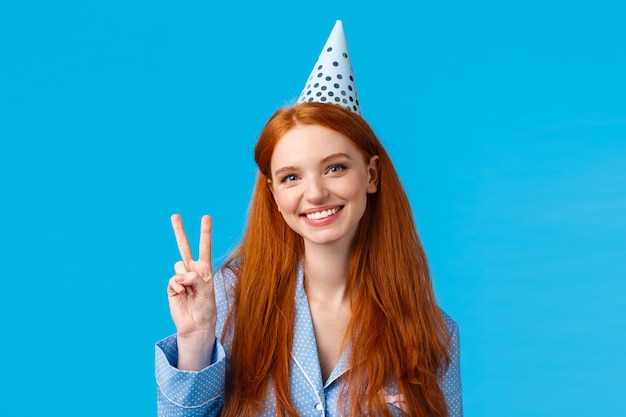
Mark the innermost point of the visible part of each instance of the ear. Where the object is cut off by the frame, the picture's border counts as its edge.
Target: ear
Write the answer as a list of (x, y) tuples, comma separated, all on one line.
[(373, 173), (270, 185)]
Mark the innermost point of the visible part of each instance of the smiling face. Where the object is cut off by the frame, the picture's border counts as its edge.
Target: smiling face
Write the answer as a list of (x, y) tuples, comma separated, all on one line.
[(320, 183)]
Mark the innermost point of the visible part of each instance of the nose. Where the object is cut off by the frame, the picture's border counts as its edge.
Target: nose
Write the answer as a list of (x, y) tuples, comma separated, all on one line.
[(315, 191)]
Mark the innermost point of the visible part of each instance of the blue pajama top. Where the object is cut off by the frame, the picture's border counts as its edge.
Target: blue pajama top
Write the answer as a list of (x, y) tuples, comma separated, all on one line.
[(201, 393)]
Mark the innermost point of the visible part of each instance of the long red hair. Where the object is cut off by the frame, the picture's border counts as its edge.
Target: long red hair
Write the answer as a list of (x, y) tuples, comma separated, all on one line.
[(396, 332)]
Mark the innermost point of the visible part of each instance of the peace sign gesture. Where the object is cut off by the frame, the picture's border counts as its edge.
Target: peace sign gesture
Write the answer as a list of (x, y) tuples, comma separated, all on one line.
[(192, 298)]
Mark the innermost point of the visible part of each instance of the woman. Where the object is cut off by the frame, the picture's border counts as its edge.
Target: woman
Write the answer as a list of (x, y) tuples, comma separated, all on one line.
[(326, 307)]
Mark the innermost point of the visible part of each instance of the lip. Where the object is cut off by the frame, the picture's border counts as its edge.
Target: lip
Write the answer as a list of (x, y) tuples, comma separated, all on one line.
[(321, 208), (325, 221)]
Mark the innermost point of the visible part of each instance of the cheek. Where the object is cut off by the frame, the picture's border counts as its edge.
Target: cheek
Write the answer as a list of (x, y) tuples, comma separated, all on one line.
[(281, 198), (358, 188), (287, 208)]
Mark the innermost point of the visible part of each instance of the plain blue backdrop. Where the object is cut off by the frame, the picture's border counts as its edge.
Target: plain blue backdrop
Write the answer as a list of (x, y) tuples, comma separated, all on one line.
[(506, 121)]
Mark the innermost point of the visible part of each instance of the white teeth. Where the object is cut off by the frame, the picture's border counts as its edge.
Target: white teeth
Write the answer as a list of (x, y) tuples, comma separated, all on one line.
[(322, 214)]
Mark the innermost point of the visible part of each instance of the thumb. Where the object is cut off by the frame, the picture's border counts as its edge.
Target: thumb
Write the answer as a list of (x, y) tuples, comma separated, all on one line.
[(203, 270), (203, 285)]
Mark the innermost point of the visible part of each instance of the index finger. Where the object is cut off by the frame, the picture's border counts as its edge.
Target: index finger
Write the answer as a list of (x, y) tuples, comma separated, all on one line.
[(181, 240), (205, 239)]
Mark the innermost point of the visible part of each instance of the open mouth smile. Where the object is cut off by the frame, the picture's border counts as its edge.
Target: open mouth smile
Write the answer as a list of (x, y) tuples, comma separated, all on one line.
[(318, 215)]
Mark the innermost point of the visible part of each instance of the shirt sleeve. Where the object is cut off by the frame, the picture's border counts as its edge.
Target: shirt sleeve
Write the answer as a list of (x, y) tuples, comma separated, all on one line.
[(451, 382), (188, 393), (195, 393)]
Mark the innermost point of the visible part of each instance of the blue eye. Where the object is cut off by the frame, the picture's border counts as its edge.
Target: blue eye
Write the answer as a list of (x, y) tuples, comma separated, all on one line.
[(336, 168), (289, 178)]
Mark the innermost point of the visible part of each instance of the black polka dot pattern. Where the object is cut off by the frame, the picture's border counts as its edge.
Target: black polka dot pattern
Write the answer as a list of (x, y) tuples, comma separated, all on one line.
[(332, 79)]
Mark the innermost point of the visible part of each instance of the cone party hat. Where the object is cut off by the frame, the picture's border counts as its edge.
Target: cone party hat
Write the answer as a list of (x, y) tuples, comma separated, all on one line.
[(332, 79)]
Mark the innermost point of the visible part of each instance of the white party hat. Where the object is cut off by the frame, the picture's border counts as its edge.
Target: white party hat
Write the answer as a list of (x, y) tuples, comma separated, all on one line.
[(332, 79)]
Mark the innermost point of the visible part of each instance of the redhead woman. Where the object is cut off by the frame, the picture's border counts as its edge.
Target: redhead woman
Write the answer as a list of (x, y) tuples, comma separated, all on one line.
[(326, 307)]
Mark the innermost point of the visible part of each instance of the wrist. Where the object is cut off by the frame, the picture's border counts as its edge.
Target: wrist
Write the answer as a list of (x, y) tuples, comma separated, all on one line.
[(197, 336), (195, 350)]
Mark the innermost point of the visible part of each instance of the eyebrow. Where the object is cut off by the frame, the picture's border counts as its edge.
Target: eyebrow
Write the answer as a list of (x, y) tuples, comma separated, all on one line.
[(324, 160)]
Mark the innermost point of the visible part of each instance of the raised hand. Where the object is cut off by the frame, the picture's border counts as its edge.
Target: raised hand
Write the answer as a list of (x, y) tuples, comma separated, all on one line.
[(192, 298)]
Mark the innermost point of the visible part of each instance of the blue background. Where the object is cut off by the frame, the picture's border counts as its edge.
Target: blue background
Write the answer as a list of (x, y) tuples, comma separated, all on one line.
[(506, 120)]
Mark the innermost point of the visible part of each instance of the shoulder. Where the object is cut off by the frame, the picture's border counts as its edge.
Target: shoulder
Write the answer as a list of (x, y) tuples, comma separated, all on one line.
[(450, 323), (453, 330), (225, 277), (225, 280), (451, 381)]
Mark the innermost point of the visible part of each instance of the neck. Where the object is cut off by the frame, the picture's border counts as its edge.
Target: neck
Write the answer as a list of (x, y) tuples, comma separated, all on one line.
[(326, 273)]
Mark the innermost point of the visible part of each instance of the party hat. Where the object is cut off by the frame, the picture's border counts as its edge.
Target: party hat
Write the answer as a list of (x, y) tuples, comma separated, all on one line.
[(332, 80)]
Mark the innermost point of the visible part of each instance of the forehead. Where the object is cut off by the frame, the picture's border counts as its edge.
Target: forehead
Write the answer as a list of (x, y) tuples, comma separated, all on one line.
[(310, 143)]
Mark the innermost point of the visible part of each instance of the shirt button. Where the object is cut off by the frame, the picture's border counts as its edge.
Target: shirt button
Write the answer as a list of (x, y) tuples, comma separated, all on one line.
[(319, 407)]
